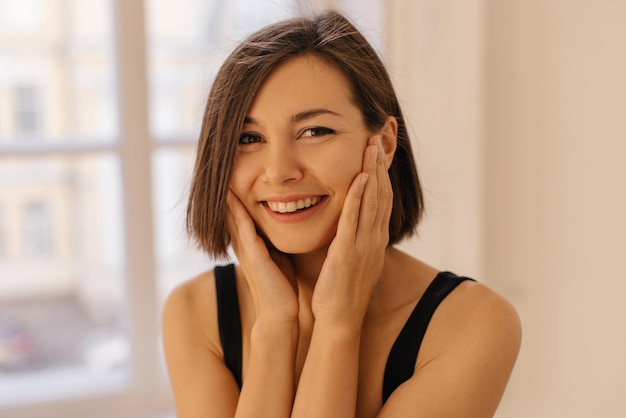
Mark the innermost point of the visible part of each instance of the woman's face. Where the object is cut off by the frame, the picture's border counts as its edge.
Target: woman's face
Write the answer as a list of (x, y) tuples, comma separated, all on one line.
[(299, 150)]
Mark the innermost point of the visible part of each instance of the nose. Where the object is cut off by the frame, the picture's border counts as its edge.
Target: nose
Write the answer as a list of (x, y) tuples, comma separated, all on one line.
[(282, 164)]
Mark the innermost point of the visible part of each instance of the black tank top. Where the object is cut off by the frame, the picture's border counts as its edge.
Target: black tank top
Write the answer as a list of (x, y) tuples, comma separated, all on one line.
[(402, 357)]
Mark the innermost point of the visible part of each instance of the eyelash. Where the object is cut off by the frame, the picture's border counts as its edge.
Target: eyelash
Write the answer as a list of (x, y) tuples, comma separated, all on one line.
[(250, 138), (321, 131), (245, 139)]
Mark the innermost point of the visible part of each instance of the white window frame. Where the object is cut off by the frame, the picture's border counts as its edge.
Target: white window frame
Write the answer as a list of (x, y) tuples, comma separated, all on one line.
[(147, 393)]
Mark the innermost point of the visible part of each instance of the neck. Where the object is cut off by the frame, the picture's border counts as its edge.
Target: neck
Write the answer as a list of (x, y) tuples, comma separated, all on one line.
[(308, 267)]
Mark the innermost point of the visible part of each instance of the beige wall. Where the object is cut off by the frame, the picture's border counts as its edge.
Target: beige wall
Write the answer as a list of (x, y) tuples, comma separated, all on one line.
[(521, 122), (434, 55)]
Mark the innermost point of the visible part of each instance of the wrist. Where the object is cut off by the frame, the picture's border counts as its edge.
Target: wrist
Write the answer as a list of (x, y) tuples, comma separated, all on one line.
[(344, 318), (339, 327), (275, 331)]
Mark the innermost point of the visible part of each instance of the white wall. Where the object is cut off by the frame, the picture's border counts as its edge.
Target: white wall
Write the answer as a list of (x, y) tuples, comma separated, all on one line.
[(521, 121)]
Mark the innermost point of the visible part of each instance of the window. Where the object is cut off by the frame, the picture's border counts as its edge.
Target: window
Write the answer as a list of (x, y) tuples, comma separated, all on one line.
[(37, 230), (28, 115), (94, 210), (64, 302)]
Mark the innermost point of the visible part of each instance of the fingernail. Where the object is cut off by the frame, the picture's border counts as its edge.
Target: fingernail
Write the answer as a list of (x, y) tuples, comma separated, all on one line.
[(377, 140), (364, 179)]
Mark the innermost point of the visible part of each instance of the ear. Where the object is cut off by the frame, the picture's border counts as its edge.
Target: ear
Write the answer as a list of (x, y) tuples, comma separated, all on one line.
[(389, 138)]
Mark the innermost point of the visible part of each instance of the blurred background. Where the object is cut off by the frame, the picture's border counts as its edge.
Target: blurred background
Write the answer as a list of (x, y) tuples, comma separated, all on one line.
[(517, 113)]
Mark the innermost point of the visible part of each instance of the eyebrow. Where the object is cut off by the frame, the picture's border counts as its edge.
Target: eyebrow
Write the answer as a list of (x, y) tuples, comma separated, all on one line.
[(301, 116)]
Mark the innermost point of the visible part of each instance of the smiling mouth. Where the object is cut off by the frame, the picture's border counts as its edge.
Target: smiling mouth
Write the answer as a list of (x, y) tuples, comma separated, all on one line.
[(293, 206)]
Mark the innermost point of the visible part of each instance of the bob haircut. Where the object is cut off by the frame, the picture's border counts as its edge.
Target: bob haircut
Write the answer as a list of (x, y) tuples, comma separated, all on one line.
[(328, 36)]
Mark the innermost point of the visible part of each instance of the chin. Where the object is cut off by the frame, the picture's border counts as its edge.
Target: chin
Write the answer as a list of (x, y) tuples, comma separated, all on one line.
[(298, 245)]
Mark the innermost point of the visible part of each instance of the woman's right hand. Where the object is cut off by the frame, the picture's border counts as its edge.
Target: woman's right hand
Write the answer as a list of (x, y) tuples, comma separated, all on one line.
[(269, 379), (268, 272)]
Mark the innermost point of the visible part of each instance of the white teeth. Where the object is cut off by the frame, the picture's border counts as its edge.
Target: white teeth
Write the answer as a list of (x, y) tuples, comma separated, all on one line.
[(288, 207)]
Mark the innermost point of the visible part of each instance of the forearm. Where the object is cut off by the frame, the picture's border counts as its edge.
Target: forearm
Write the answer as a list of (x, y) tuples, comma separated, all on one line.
[(268, 388), (329, 380)]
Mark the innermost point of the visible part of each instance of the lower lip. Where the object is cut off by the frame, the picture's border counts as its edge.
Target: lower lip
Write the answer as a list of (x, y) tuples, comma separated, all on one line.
[(298, 216)]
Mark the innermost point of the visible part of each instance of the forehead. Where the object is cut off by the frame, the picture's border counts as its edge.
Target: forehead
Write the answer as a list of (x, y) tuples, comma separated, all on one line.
[(300, 83)]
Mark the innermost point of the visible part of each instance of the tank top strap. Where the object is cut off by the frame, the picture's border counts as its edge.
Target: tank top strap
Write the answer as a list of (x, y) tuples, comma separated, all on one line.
[(229, 318), (403, 355)]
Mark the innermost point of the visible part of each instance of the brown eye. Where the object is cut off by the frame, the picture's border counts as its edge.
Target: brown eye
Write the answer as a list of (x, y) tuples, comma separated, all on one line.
[(317, 131), (246, 139)]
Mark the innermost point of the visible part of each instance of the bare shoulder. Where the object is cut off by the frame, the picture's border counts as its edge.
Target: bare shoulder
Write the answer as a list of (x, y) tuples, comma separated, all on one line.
[(190, 308), (466, 358), (201, 384), (194, 290), (477, 314), (475, 322), (472, 312)]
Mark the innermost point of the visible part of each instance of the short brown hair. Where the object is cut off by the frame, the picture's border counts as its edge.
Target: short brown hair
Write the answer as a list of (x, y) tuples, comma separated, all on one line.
[(329, 36)]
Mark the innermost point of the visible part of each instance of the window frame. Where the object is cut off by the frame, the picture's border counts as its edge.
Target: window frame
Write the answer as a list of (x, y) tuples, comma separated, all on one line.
[(134, 148)]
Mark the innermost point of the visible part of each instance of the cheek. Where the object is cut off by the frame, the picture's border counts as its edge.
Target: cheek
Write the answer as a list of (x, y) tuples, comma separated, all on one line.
[(345, 174), (344, 166), (241, 179)]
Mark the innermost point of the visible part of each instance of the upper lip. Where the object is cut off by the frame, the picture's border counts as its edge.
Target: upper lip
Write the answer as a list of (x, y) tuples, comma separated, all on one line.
[(291, 198)]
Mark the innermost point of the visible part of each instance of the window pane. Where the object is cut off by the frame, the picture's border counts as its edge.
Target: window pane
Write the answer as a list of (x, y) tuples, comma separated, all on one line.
[(188, 40), (56, 71), (177, 257), (61, 277)]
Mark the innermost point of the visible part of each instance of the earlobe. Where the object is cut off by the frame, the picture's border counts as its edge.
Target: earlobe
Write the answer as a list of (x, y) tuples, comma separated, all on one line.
[(389, 138)]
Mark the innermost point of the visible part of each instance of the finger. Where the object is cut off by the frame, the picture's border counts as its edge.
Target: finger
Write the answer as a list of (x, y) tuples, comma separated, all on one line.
[(231, 224), (385, 191), (353, 215), (369, 205), (349, 218), (240, 221)]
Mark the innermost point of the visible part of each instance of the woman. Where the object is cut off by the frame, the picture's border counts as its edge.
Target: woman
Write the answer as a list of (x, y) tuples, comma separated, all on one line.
[(304, 165)]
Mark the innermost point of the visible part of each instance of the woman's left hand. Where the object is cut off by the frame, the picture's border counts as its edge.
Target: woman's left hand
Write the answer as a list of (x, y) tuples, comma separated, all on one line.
[(355, 257)]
